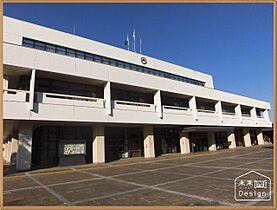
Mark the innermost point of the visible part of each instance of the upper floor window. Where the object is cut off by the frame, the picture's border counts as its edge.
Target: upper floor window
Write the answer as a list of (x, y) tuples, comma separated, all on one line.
[(228, 109), (96, 58)]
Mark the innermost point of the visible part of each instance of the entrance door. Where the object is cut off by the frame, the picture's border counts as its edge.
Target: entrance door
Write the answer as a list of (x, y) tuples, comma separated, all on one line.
[(166, 141), (198, 142), (123, 143)]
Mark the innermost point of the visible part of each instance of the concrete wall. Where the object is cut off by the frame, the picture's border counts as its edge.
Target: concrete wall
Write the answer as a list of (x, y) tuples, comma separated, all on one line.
[(110, 111), (15, 29)]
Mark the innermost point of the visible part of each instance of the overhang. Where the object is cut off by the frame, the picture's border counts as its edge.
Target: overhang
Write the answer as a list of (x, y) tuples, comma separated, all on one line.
[(206, 129)]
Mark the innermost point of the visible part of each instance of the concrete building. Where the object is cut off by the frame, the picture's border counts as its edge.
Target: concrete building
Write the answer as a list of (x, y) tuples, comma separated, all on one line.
[(70, 100)]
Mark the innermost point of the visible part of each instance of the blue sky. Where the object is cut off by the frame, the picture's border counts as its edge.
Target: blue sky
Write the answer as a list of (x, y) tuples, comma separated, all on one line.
[(232, 42)]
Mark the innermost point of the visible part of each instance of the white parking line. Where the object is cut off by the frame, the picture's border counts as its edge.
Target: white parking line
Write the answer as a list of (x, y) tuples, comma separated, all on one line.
[(129, 173), (58, 196), (149, 187), (155, 187)]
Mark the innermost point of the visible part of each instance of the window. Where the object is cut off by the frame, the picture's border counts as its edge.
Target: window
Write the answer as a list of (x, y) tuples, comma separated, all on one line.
[(28, 43), (50, 48), (60, 50), (203, 105), (113, 62), (105, 61), (228, 109), (70, 52), (80, 55), (259, 113), (39, 45), (87, 56), (97, 59)]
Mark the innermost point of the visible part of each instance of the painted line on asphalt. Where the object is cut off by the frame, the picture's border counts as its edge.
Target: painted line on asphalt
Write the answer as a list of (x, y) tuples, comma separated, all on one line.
[(235, 168), (51, 185), (93, 166), (153, 188), (52, 192), (122, 174)]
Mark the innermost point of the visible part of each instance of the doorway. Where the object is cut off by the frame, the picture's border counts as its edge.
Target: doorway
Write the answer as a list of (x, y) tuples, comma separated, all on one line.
[(167, 140), (198, 142)]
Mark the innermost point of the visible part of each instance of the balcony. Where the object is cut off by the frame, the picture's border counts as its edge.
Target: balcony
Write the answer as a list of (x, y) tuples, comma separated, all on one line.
[(176, 110), (229, 113), (135, 106), (13, 95), (69, 100)]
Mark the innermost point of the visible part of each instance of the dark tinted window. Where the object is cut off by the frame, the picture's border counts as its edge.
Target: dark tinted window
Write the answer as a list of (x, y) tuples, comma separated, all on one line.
[(82, 55)]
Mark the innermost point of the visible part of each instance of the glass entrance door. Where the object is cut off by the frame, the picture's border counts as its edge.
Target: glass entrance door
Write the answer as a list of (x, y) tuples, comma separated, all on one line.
[(198, 142), (123, 143)]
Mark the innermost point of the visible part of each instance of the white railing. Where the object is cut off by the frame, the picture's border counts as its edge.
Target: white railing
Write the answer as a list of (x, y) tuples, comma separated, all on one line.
[(69, 100), (134, 106), (229, 113), (16, 95), (206, 111), (176, 109), (246, 115)]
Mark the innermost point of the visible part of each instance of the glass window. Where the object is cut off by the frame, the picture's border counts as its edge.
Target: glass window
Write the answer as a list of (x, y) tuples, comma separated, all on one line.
[(60, 50), (105, 60), (112, 62), (50, 48), (88, 57), (97, 58), (70, 52), (127, 66), (120, 64), (139, 69), (39, 45), (28, 43), (80, 55)]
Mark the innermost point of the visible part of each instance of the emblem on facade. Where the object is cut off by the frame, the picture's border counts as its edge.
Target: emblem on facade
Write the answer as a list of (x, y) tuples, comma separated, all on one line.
[(143, 60)]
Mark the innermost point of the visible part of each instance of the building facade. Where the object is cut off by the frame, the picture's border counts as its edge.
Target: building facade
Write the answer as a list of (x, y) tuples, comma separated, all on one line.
[(70, 100)]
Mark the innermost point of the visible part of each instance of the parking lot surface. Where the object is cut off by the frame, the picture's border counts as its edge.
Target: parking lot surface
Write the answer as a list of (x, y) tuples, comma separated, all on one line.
[(199, 179)]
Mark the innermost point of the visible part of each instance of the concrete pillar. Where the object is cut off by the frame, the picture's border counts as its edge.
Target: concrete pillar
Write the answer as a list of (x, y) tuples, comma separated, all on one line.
[(266, 115), (193, 107), (218, 109), (148, 134), (238, 112), (8, 151), (98, 145), (231, 139), (246, 137), (107, 97), (24, 152), (32, 89), (260, 136), (158, 103), (211, 141), (5, 82), (253, 114), (4, 145), (184, 143)]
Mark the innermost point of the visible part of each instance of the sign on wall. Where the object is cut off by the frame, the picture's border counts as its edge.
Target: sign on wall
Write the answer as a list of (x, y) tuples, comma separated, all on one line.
[(72, 147)]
